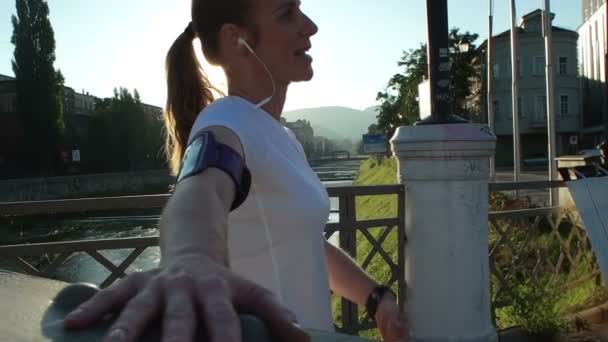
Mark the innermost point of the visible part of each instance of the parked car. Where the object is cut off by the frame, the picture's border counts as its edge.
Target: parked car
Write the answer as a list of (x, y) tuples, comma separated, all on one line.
[(591, 152)]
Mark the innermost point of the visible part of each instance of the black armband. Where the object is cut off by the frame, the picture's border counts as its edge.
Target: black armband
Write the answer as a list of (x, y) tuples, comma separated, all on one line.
[(205, 152)]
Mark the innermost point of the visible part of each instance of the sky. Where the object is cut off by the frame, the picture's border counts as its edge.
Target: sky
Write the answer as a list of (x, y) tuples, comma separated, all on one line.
[(103, 44)]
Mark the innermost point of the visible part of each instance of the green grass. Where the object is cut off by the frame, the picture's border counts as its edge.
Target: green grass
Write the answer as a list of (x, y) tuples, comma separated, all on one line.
[(371, 172), (374, 207)]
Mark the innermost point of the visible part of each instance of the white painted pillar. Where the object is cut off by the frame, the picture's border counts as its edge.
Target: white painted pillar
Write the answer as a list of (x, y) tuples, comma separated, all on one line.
[(445, 170)]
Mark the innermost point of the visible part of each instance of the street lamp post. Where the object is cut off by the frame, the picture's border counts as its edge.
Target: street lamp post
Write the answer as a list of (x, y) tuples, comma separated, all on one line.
[(438, 53)]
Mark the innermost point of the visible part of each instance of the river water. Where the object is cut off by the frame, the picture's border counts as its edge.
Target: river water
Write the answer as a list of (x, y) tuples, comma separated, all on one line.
[(132, 223)]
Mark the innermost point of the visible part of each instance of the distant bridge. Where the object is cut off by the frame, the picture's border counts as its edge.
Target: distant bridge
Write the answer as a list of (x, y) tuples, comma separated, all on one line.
[(338, 155)]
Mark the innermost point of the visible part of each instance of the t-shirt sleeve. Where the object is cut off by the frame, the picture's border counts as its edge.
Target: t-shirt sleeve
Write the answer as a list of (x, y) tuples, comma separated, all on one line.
[(295, 140)]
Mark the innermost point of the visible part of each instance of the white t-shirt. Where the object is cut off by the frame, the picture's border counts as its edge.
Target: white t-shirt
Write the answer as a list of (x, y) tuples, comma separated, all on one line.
[(275, 237)]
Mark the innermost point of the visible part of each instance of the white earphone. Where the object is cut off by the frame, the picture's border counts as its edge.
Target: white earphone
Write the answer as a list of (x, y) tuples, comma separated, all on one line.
[(242, 42)]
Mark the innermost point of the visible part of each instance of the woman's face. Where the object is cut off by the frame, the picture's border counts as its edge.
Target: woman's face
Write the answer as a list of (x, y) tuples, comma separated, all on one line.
[(283, 39)]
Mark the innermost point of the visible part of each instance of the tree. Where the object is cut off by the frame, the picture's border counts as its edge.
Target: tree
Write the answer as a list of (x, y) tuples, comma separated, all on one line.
[(121, 136), (60, 101), (39, 88), (399, 101), (463, 72), (374, 129)]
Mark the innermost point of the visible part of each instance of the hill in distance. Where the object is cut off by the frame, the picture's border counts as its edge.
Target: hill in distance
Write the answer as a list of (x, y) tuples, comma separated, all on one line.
[(336, 122)]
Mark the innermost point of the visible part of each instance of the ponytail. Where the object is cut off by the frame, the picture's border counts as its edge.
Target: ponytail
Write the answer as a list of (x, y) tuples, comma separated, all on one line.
[(188, 92)]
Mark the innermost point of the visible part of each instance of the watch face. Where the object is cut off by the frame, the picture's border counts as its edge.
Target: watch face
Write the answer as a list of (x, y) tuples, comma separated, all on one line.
[(193, 153)]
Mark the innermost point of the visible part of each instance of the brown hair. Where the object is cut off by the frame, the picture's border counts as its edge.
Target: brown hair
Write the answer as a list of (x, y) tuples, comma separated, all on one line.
[(188, 89)]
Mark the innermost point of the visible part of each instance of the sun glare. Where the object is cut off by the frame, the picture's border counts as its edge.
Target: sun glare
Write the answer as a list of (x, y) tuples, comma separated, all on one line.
[(215, 74)]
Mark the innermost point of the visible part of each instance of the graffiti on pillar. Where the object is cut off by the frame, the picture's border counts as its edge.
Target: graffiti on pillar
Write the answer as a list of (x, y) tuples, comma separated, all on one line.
[(473, 166)]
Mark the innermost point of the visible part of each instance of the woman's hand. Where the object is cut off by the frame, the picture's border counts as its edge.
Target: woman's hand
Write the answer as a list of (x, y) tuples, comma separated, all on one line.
[(186, 293), (392, 323)]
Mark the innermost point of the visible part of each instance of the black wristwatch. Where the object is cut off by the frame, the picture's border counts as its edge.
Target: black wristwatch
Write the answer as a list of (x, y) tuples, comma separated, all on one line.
[(374, 298)]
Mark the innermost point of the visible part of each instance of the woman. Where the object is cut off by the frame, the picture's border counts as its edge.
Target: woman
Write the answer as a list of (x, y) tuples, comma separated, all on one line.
[(242, 231)]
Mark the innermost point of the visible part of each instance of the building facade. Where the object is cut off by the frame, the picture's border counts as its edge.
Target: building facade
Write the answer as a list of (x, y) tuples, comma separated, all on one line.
[(152, 112), (532, 100), (9, 127), (84, 103), (304, 133), (79, 109), (593, 54)]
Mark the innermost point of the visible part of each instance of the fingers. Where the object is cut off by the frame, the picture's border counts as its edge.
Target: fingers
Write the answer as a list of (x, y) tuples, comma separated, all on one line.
[(144, 295), (394, 327), (103, 303), (221, 320), (137, 314), (260, 302), (179, 323), (398, 329)]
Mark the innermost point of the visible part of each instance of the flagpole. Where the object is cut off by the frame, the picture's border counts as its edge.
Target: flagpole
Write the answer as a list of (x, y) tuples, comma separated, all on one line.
[(489, 97), (547, 33), (514, 96)]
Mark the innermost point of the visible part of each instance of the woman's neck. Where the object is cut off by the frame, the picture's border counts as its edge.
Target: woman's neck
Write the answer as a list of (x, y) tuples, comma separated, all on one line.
[(274, 107)]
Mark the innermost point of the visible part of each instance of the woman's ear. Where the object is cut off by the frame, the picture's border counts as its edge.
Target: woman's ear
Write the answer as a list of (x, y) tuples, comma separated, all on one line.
[(230, 37)]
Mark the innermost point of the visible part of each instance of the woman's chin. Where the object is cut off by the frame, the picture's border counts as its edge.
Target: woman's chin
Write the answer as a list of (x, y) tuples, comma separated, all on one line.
[(304, 76)]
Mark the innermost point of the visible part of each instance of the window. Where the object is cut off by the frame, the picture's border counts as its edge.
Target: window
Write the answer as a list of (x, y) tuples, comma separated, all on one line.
[(563, 104), (563, 65), (520, 107), (539, 65), (519, 69), (8, 103), (497, 110), (541, 108), (496, 71)]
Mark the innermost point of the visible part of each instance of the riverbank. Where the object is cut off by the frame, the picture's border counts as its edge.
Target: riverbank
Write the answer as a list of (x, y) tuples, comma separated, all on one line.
[(112, 224), (81, 186), (133, 183)]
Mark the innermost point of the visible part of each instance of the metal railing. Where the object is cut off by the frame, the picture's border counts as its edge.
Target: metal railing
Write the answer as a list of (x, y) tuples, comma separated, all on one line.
[(352, 235), (537, 247), (355, 233), (538, 244)]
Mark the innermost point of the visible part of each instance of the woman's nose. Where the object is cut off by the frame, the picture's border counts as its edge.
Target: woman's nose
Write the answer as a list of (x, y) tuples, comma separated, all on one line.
[(310, 28)]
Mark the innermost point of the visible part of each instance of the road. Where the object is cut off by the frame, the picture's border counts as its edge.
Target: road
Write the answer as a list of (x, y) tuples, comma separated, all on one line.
[(539, 197)]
